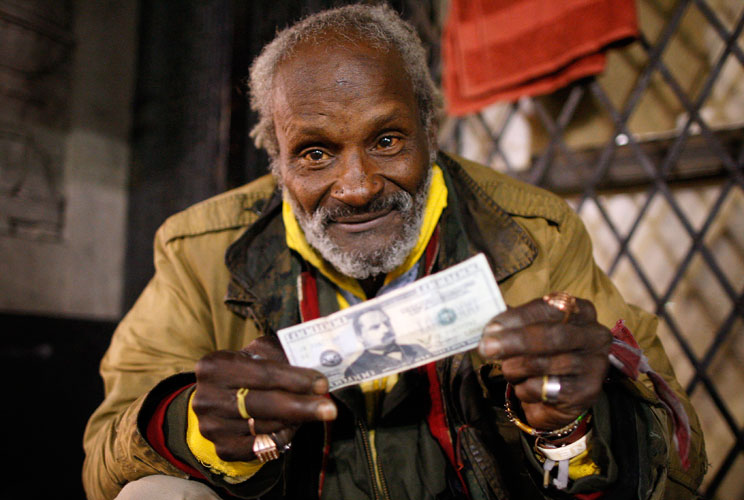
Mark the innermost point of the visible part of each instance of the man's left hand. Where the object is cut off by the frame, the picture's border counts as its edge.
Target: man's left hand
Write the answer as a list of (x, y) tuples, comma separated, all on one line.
[(532, 341)]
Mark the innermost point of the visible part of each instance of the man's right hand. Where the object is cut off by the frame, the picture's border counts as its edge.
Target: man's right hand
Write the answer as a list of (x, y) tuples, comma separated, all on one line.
[(280, 397)]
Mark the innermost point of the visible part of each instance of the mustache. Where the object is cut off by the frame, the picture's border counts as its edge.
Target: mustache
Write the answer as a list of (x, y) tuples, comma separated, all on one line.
[(400, 200)]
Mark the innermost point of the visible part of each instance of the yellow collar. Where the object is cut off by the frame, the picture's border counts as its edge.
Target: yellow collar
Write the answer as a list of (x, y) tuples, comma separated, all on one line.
[(435, 203)]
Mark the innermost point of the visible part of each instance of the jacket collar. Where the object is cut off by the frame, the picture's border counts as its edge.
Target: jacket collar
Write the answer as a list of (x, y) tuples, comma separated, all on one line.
[(473, 222), (263, 270)]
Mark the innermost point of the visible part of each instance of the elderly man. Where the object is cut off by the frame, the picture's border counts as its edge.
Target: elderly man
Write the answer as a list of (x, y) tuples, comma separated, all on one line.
[(200, 401)]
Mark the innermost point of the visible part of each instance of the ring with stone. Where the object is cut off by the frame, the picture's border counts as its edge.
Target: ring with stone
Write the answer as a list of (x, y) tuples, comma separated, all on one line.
[(551, 389), (563, 301)]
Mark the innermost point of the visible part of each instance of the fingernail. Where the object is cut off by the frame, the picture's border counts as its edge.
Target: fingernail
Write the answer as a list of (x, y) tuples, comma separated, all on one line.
[(494, 327), (327, 411), (320, 385), (489, 348)]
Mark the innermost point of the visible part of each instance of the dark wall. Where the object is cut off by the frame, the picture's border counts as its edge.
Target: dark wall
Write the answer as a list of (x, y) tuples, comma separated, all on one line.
[(179, 135), (49, 369)]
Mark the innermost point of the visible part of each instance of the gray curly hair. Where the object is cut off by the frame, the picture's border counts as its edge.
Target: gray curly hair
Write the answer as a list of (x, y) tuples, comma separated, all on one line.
[(378, 25)]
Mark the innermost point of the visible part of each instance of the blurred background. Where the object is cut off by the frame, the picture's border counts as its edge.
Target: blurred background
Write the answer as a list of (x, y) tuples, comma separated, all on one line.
[(116, 114)]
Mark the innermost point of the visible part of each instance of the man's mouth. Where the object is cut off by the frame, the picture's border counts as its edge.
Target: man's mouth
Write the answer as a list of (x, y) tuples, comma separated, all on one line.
[(361, 219), (360, 222)]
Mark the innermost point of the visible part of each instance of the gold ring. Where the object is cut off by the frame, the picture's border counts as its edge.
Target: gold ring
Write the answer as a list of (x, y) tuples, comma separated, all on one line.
[(252, 426), (551, 388), (265, 448), (563, 301), (240, 395)]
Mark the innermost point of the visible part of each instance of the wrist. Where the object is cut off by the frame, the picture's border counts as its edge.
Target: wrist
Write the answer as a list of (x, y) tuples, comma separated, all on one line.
[(555, 434), (581, 430), (565, 451)]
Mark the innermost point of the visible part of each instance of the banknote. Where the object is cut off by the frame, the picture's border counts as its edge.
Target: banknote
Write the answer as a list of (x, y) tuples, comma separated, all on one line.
[(432, 318)]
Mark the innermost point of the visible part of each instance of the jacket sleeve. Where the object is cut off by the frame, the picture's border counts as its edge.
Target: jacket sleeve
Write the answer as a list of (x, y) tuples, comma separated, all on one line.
[(572, 268), (166, 332)]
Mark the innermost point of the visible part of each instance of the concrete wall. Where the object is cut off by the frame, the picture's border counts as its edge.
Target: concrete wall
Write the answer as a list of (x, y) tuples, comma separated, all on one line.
[(75, 269)]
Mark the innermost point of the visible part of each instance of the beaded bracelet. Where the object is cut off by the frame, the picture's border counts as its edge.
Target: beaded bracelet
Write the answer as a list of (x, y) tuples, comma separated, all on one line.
[(557, 433)]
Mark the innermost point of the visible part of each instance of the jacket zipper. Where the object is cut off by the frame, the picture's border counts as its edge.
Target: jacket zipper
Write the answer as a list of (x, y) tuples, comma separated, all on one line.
[(372, 465)]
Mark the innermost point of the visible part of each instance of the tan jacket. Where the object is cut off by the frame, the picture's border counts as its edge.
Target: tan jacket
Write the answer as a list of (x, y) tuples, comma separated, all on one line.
[(181, 316)]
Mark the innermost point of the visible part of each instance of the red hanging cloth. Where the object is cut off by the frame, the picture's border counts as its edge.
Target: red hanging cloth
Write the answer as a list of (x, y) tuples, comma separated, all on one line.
[(500, 50)]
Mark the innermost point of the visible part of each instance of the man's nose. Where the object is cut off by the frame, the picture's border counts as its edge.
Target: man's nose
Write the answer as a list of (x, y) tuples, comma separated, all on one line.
[(359, 182)]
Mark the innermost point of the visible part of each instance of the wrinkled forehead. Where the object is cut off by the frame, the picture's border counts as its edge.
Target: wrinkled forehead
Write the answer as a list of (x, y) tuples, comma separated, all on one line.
[(342, 65), (329, 42)]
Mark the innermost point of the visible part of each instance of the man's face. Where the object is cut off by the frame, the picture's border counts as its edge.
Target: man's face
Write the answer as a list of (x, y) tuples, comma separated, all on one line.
[(353, 153), (375, 330)]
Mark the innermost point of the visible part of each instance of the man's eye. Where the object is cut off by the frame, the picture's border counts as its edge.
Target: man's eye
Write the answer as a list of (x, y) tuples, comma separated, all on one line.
[(314, 155), (387, 142)]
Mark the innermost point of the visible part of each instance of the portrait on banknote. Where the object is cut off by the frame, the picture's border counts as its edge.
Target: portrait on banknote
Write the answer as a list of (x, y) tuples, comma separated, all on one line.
[(382, 352)]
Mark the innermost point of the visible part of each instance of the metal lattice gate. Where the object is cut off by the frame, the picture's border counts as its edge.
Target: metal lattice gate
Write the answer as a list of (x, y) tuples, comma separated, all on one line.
[(692, 174)]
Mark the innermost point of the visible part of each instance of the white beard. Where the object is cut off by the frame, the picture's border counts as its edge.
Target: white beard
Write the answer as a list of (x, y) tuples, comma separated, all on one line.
[(362, 264)]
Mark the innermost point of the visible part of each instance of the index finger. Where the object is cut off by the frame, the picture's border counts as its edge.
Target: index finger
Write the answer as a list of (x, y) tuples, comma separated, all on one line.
[(541, 339), (272, 375), (513, 332), (239, 369), (539, 311)]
